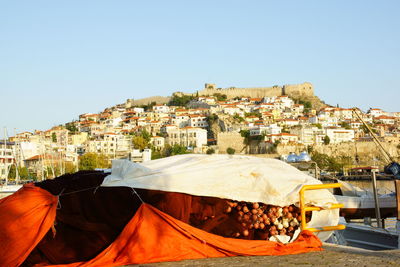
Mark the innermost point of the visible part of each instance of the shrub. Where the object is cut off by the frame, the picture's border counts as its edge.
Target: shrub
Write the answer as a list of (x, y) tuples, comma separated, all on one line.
[(230, 151), (210, 151)]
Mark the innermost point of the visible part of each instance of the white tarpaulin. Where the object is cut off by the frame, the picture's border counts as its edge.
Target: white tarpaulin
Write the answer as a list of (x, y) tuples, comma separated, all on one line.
[(241, 178)]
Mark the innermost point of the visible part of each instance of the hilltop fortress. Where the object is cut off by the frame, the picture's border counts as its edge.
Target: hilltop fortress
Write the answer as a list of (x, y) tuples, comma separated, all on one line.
[(297, 90)]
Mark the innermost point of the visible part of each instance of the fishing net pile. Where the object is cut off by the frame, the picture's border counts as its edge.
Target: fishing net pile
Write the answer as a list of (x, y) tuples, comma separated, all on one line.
[(182, 207)]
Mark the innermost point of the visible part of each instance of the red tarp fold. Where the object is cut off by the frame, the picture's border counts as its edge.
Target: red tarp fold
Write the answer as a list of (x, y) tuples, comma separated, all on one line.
[(25, 217), (153, 236)]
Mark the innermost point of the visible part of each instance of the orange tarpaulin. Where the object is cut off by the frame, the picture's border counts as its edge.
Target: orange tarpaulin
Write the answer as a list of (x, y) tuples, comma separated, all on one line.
[(150, 236), (25, 217), (153, 236)]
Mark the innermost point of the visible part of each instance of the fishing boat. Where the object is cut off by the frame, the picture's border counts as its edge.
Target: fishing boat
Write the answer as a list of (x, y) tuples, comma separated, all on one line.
[(360, 203)]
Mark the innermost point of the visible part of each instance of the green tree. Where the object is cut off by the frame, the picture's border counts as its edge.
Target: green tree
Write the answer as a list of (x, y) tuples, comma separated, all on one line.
[(146, 136), (181, 101), (22, 172), (91, 161), (54, 137), (318, 125), (69, 167), (149, 106), (306, 104), (220, 97), (248, 114), (70, 126), (156, 154), (327, 140), (245, 133), (345, 125), (230, 151), (169, 150), (365, 129), (212, 118), (175, 150), (139, 142), (328, 163), (238, 118), (210, 151)]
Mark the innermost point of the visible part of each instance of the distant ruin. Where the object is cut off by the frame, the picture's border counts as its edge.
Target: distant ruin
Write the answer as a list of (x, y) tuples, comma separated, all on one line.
[(296, 90)]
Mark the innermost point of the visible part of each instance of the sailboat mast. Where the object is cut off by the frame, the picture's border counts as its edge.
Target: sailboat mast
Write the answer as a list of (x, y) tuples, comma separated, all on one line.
[(4, 153), (14, 154)]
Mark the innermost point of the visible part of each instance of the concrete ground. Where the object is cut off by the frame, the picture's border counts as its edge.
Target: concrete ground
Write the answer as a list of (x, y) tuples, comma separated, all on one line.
[(332, 256)]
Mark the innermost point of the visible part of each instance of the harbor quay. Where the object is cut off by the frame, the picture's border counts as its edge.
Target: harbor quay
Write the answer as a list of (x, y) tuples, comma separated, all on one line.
[(331, 256)]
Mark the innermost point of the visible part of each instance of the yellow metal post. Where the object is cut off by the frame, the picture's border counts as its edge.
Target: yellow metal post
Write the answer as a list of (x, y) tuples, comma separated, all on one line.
[(303, 208)]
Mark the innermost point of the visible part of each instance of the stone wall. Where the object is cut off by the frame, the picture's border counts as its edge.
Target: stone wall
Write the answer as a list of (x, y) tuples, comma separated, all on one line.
[(296, 90), (367, 152), (233, 140)]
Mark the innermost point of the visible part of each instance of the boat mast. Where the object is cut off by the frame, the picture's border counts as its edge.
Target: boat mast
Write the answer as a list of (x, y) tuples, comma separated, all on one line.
[(14, 154), (4, 154)]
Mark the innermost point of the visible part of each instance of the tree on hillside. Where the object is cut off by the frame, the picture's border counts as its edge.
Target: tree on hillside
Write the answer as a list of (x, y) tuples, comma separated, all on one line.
[(318, 125), (54, 137), (70, 126), (327, 140), (238, 118), (91, 161), (345, 125), (181, 101), (141, 140), (329, 163), (149, 106), (220, 97), (169, 150), (212, 118)]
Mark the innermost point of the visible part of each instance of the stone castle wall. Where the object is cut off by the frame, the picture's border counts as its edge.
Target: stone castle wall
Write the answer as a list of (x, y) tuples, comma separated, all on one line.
[(304, 89), (231, 139)]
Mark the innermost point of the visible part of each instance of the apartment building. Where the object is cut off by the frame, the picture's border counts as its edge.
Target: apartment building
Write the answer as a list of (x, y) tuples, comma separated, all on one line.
[(187, 136)]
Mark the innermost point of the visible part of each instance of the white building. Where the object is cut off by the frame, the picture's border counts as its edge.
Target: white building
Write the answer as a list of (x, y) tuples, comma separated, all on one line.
[(376, 112), (140, 156), (188, 136), (198, 121), (181, 120), (309, 135), (138, 110), (161, 109), (111, 144), (265, 129), (7, 152), (339, 135), (284, 138), (158, 142), (232, 110), (386, 119)]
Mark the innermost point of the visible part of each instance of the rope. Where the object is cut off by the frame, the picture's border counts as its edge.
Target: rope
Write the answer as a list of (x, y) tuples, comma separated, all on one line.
[(77, 191), (94, 192), (134, 191)]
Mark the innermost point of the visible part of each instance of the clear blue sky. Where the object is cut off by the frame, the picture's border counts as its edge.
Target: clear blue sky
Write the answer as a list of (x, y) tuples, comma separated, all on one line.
[(59, 59)]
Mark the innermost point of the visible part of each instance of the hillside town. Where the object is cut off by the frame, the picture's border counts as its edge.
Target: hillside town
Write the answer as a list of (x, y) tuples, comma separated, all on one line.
[(191, 124)]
